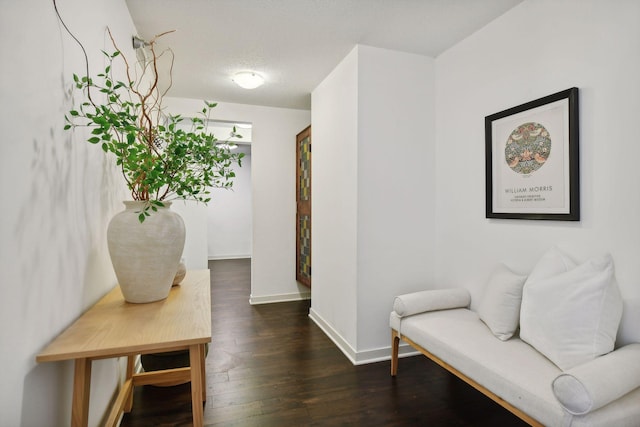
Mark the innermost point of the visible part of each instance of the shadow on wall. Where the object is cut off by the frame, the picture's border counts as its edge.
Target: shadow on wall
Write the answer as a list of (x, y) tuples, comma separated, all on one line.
[(48, 393), (46, 396), (60, 245), (61, 223)]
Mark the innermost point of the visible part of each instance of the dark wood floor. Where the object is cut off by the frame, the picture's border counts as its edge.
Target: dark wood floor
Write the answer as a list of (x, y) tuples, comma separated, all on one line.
[(270, 365)]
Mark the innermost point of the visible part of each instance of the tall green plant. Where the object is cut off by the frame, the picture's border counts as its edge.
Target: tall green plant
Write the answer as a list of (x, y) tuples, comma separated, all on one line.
[(162, 157)]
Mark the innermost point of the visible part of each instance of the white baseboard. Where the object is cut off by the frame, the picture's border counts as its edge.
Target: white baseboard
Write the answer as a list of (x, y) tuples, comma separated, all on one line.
[(223, 257), (333, 335), (359, 357), (381, 354), (122, 365), (269, 299)]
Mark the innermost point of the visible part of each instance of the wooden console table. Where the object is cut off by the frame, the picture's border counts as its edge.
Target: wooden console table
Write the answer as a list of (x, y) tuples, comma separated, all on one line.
[(115, 328)]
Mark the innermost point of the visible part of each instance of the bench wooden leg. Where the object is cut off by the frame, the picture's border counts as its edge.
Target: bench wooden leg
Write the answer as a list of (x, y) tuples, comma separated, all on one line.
[(395, 345)]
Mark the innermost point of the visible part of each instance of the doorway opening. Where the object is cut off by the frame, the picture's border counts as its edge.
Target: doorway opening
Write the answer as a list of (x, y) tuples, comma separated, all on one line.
[(229, 214)]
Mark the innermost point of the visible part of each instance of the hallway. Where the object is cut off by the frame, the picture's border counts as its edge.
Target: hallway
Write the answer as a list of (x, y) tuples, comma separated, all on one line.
[(270, 365)]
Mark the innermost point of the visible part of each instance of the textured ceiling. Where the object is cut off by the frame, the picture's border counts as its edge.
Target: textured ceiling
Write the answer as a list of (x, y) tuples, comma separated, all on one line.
[(294, 44)]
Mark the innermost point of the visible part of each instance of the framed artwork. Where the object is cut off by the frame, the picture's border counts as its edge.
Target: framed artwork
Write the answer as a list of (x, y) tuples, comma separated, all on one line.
[(532, 169)]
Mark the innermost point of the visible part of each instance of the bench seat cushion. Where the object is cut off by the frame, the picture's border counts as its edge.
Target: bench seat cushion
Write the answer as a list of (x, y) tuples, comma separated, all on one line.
[(511, 369)]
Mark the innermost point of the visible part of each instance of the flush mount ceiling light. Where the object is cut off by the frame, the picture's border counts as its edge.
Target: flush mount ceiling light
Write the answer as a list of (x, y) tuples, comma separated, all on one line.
[(248, 79)]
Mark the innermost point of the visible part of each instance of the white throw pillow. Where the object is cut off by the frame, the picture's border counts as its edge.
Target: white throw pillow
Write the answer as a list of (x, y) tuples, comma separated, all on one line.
[(552, 263), (595, 384), (573, 317), (431, 300), (499, 307)]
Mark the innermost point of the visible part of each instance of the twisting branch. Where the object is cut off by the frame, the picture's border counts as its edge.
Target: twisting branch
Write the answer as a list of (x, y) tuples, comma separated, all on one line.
[(84, 51), (130, 121), (147, 109)]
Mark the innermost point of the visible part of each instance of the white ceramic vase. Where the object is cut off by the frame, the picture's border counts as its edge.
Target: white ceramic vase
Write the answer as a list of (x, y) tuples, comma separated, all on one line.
[(145, 256)]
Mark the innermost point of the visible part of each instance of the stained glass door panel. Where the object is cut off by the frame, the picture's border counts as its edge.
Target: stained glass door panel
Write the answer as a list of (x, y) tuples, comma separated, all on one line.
[(303, 207)]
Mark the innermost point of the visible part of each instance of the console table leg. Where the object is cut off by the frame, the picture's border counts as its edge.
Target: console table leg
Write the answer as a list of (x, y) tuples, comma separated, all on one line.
[(81, 389), (195, 359), (130, 368), (203, 373)]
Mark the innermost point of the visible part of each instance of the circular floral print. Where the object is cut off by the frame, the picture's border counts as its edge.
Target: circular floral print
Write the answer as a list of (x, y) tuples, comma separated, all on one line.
[(528, 148)]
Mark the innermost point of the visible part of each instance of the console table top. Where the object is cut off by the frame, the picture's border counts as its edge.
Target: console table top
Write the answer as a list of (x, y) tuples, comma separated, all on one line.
[(114, 326)]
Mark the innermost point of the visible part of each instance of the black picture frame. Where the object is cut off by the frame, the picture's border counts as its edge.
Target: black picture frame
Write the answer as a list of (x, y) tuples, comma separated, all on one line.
[(532, 160)]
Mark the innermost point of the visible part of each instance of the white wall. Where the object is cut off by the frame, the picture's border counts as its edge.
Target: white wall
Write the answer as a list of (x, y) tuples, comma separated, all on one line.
[(396, 181), (229, 214), (373, 190), (334, 204), (194, 215), (59, 194), (273, 184), (536, 49)]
